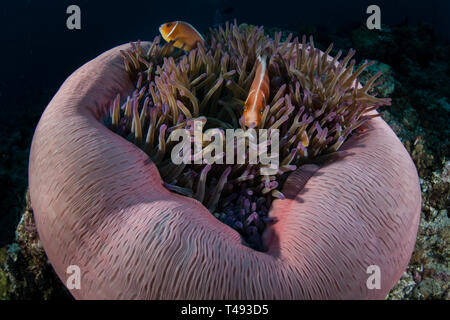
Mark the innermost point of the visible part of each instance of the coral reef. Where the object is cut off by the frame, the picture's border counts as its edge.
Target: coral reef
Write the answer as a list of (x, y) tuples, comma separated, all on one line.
[(422, 74), (15, 143), (4, 282), (428, 273), (24, 269)]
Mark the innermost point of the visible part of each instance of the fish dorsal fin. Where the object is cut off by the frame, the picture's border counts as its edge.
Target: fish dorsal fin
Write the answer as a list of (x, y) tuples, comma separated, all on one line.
[(262, 60), (264, 53), (193, 28)]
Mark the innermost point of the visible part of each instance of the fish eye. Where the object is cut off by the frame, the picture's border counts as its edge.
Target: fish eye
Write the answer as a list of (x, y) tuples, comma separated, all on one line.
[(168, 25)]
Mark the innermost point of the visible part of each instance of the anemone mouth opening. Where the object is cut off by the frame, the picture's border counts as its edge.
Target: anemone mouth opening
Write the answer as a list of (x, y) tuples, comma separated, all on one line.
[(314, 102)]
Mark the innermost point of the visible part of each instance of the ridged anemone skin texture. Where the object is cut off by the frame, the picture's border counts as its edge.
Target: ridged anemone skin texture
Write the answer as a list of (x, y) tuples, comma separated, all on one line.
[(99, 203)]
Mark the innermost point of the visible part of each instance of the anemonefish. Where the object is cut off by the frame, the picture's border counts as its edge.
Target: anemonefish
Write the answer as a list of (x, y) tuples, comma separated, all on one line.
[(187, 36), (258, 95)]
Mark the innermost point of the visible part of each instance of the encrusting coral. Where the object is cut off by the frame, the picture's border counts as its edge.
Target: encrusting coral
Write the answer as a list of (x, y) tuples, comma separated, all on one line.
[(314, 103)]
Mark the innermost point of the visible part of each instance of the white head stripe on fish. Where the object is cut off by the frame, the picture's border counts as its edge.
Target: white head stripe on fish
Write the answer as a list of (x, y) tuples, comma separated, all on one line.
[(176, 24), (261, 77)]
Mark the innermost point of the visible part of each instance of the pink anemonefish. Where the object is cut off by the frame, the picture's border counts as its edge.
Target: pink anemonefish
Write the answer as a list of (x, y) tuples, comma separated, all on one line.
[(184, 32), (258, 95)]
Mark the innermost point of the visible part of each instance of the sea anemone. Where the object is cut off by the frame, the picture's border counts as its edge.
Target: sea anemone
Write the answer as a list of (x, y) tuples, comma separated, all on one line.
[(314, 103), (100, 203)]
